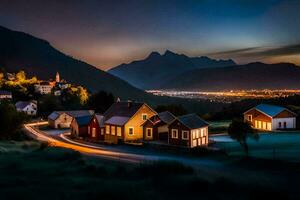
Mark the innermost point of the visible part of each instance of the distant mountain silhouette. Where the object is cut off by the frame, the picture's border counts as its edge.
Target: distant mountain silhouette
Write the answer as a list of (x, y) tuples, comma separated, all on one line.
[(156, 69), (37, 57), (251, 76)]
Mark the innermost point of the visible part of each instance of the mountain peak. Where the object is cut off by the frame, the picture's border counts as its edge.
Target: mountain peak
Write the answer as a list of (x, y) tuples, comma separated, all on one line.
[(154, 54), (168, 53)]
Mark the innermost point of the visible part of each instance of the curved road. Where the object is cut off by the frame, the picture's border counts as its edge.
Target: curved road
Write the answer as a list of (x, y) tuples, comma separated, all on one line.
[(129, 155)]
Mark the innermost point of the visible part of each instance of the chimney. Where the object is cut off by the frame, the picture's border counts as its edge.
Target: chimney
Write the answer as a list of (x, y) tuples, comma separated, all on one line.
[(129, 103)]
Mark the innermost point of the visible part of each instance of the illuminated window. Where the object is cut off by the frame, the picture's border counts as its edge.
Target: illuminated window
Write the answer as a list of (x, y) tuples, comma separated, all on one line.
[(93, 132), (107, 129), (130, 131), (144, 117), (89, 130), (174, 133), (185, 135), (149, 132), (102, 131), (119, 131), (113, 130), (249, 117)]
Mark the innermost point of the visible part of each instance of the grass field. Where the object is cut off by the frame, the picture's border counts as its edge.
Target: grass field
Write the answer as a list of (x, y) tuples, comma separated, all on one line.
[(216, 127), (29, 170), (279, 146)]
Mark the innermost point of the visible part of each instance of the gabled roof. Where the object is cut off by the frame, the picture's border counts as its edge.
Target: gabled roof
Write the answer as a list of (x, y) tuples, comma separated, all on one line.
[(270, 110), (123, 109), (100, 119), (166, 117), (83, 120), (192, 121), (73, 113), (23, 104), (117, 120)]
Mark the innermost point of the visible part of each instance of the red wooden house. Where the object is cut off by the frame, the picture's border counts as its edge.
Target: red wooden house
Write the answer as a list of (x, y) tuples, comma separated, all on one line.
[(96, 128)]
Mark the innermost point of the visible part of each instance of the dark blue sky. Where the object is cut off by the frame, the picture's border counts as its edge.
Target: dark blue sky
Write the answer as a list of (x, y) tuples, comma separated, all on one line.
[(107, 33)]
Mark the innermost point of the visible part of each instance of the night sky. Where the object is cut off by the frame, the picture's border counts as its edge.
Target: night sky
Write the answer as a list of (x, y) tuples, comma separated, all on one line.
[(108, 33)]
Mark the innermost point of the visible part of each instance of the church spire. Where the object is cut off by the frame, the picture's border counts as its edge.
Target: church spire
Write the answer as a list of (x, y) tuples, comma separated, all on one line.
[(57, 78)]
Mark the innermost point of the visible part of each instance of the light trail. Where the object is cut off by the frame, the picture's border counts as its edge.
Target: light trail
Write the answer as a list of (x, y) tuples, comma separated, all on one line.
[(83, 148)]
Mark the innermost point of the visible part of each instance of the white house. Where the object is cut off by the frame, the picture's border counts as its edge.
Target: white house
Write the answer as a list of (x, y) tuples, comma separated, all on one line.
[(28, 107), (5, 95), (270, 117), (43, 88), (63, 119)]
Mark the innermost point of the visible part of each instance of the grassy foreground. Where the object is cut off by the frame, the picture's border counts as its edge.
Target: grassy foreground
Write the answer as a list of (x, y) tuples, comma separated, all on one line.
[(29, 170)]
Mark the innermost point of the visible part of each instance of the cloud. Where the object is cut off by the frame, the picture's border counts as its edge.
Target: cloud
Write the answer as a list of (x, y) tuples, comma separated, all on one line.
[(261, 52)]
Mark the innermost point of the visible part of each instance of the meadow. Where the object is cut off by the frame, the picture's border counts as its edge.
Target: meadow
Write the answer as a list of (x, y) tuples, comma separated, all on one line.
[(31, 170)]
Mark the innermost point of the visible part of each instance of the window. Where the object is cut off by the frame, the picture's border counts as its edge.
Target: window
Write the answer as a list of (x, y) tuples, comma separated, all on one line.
[(144, 117), (89, 130), (102, 131), (202, 132), (185, 135), (119, 131), (130, 131), (249, 118), (197, 136), (113, 130), (279, 125), (93, 132), (107, 131), (284, 124), (174, 133), (149, 132)]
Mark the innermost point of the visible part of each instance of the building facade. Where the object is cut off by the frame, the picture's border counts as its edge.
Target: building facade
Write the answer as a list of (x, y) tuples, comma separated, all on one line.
[(63, 119), (270, 117), (188, 131), (28, 107)]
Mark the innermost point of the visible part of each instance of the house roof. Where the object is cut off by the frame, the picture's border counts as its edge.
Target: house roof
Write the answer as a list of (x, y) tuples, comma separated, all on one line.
[(73, 113), (117, 120), (23, 104), (166, 117), (4, 92), (123, 109), (100, 119), (83, 120), (192, 121), (270, 110)]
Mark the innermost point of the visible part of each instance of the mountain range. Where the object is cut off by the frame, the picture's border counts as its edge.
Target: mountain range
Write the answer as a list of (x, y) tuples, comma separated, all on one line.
[(250, 76), (157, 69)]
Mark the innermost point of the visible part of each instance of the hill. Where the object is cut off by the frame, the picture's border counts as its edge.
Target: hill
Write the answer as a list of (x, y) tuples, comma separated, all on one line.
[(251, 76), (156, 68), (21, 51)]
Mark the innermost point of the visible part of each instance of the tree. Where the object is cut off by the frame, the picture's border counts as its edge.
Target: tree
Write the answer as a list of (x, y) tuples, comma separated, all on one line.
[(10, 120), (21, 76), (83, 95), (240, 131), (177, 110), (100, 101), (49, 103)]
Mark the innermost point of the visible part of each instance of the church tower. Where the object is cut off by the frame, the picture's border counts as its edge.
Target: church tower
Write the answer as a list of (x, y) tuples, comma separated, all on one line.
[(57, 78)]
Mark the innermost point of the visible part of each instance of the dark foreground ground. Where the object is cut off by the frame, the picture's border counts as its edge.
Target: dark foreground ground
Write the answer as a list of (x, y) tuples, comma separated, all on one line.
[(29, 170)]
